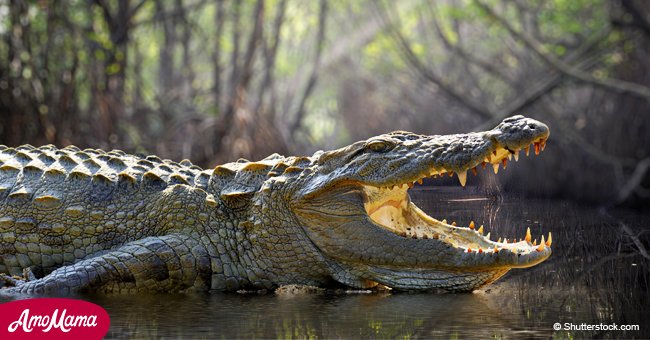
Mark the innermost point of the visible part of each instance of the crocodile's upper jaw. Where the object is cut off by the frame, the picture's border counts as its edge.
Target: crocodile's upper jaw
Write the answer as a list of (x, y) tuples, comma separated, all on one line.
[(371, 229)]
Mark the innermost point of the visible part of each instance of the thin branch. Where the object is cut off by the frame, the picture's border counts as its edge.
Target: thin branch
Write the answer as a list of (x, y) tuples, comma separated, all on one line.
[(427, 73), (269, 59), (242, 80), (552, 79), (616, 85), (640, 20), (311, 83), (216, 56), (635, 180)]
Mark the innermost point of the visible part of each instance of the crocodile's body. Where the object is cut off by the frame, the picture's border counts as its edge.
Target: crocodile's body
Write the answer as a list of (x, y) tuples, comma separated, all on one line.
[(107, 221)]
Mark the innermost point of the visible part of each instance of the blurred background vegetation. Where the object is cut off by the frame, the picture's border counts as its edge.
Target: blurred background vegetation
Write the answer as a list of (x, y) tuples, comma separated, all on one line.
[(213, 81)]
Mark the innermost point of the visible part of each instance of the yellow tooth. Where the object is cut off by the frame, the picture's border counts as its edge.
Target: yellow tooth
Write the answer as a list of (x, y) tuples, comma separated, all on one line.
[(411, 185), (517, 156), (496, 250), (480, 230), (504, 162), (535, 242), (444, 220), (527, 149), (550, 240), (541, 244), (495, 167), (509, 156), (420, 181), (471, 225), (499, 241), (450, 173), (536, 148), (543, 144), (489, 158), (528, 236), (486, 236), (453, 223), (462, 177)]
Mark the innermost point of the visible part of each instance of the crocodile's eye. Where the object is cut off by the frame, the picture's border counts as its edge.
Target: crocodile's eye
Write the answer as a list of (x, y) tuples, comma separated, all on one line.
[(379, 145)]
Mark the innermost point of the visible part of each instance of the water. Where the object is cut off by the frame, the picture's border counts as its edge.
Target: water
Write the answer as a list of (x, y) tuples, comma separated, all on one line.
[(595, 276)]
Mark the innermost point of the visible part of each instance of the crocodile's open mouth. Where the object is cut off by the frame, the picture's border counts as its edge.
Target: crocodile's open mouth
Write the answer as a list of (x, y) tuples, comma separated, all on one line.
[(392, 209)]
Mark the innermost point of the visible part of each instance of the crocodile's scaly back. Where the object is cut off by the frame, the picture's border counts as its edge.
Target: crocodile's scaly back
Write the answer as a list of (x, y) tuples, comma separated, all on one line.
[(60, 206), (74, 219)]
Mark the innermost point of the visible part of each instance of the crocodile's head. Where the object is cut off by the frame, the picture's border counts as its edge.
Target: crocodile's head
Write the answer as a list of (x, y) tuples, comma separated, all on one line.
[(355, 208)]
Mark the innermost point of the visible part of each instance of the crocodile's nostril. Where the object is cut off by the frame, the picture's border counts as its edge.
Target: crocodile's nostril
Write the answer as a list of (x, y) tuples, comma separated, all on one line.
[(532, 126)]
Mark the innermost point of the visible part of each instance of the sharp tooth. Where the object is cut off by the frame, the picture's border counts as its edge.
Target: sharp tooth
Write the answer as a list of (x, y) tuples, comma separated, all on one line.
[(462, 177), (527, 149), (496, 250), (471, 225), (411, 185), (541, 244), (480, 250), (486, 236), (434, 176), (450, 173), (504, 162), (489, 158), (480, 230), (420, 181), (453, 223), (509, 156), (543, 144), (469, 250), (536, 148), (517, 156), (495, 167), (444, 220), (535, 242), (499, 241), (394, 187), (505, 241), (474, 171), (401, 185), (528, 236), (483, 165), (550, 240)]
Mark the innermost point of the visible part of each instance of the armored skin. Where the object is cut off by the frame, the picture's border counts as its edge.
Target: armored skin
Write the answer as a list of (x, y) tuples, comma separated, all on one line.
[(88, 220)]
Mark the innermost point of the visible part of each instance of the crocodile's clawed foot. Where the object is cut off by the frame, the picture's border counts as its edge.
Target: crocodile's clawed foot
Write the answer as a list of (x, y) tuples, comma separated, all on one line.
[(11, 280), (15, 280)]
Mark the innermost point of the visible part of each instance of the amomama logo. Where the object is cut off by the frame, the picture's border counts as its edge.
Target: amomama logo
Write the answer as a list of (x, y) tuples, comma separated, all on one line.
[(52, 318)]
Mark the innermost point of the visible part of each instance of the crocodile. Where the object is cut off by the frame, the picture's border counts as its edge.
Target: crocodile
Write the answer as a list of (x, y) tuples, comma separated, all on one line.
[(75, 220)]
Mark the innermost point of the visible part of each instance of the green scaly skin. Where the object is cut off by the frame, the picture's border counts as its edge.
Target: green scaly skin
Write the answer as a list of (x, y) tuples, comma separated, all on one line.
[(89, 220)]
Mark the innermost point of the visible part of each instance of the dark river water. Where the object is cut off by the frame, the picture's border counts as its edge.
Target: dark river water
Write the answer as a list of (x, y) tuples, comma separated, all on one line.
[(596, 276)]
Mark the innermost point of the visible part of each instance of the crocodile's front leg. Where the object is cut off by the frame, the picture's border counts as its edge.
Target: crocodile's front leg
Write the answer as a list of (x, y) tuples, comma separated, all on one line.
[(167, 263)]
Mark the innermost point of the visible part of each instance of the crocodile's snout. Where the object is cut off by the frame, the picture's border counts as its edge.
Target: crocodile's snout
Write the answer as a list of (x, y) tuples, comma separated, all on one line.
[(517, 131)]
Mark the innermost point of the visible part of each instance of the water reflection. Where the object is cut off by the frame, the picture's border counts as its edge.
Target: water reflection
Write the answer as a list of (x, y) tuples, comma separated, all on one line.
[(595, 275), (313, 316)]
